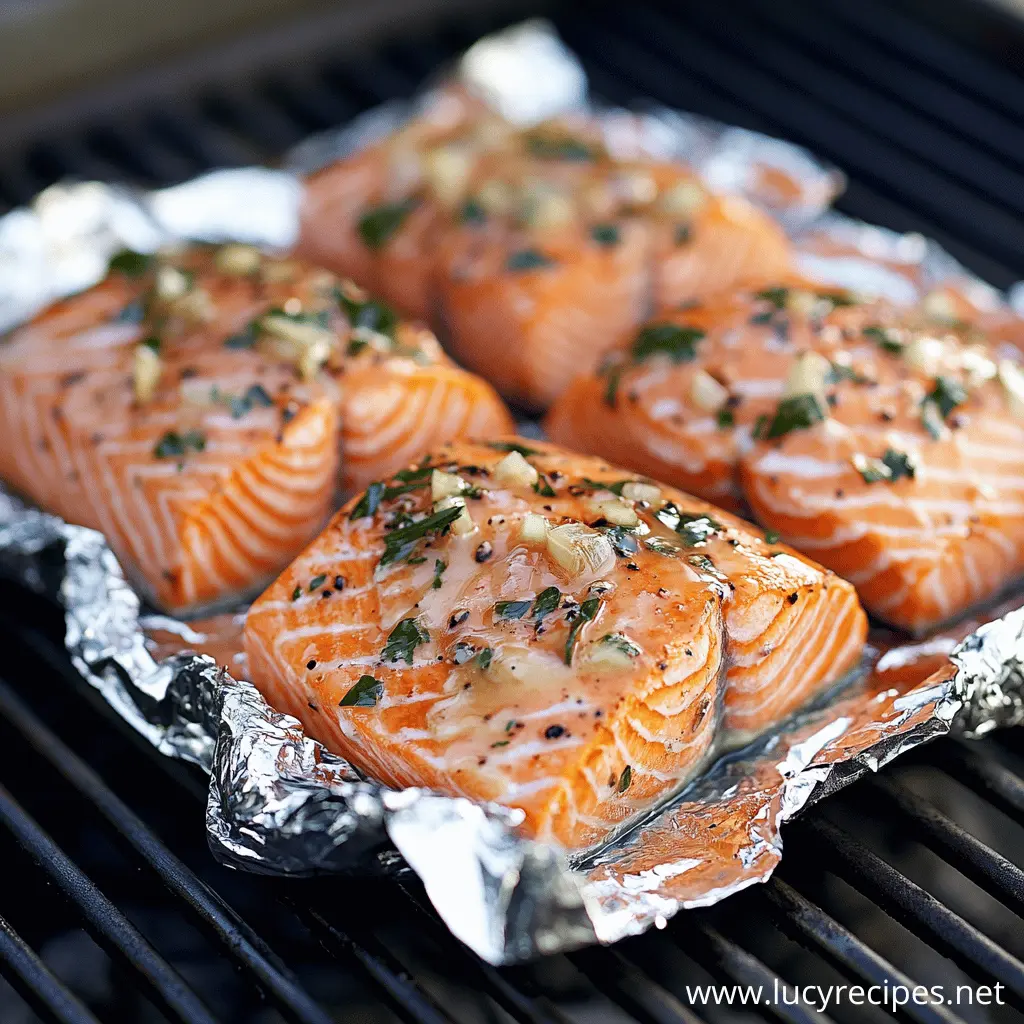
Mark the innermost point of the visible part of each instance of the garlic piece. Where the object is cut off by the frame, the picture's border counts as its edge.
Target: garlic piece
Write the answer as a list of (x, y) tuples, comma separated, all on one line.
[(1012, 378), (170, 284), (196, 306), (534, 529), (463, 524), (925, 355), (617, 513), (146, 369), (580, 550), (238, 260), (306, 346), (978, 364), (514, 471), (706, 393), (638, 491), (684, 199), (518, 666), (611, 653), (940, 306), (807, 376), (446, 485), (546, 210), (279, 271), (447, 171)]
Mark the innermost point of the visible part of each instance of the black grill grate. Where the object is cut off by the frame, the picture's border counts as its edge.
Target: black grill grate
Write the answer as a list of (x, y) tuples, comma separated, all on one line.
[(113, 909)]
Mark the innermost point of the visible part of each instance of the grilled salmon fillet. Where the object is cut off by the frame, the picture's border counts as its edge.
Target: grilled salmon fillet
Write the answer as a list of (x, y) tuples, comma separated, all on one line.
[(883, 441), (193, 407), (509, 621), (534, 251)]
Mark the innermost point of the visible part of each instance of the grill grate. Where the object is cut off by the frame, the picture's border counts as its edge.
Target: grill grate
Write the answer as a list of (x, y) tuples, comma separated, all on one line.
[(119, 913)]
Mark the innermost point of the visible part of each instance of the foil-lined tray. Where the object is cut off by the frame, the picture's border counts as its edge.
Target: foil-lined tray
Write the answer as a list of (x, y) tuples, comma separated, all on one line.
[(279, 802)]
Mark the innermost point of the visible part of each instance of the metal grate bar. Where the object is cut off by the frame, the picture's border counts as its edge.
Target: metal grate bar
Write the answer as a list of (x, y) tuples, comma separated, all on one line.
[(34, 980), (104, 920), (809, 924), (969, 855), (237, 938), (984, 775), (720, 955), (917, 909)]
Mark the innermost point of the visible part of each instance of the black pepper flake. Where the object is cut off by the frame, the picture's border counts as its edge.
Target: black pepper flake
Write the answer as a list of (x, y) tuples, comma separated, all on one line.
[(793, 598), (483, 551), (553, 732), (339, 582), (311, 664), (632, 566)]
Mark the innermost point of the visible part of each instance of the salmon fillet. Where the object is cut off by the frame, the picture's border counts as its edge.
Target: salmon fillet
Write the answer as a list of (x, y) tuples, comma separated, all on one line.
[(520, 624), (882, 441), (533, 251), (192, 407)]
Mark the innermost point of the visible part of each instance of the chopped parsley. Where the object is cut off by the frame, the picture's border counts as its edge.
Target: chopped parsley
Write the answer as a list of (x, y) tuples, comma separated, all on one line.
[(837, 299), (587, 612), (597, 485), (624, 543), (947, 395), (152, 342), (379, 223), (611, 389), (884, 338), (317, 582), (776, 296), (296, 593), (368, 504), (838, 373), (892, 466), (622, 644), (527, 259), (660, 546), (472, 212), (245, 338), (255, 397), (796, 413), (543, 487), (725, 419), (512, 446), (624, 780), (679, 343), (130, 263), (511, 609), (546, 602), (439, 568), (372, 315), (175, 445), (682, 234), (399, 544), (545, 146), (693, 529), (483, 659), (606, 234), (365, 694), (403, 641), (772, 536)]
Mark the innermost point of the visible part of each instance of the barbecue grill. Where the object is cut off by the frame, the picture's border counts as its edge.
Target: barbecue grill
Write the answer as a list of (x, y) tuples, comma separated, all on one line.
[(112, 908)]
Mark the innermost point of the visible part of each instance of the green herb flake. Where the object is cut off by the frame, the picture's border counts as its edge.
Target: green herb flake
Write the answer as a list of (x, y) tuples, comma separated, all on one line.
[(379, 223), (439, 568), (725, 419), (900, 464), (500, 743), (624, 543), (624, 780), (255, 397), (545, 146), (130, 263), (678, 343), (296, 593), (661, 546), (546, 602), (837, 299), (399, 544), (892, 466), (543, 487), (245, 338), (778, 297), (512, 446), (838, 372), (368, 504), (483, 659), (600, 485), (693, 528), (772, 536), (621, 643), (317, 582), (152, 342), (472, 213), (365, 694), (527, 259), (133, 313), (403, 641), (682, 234), (606, 235), (372, 314), (511, 609), (587, 612), (884, 338), (947, 395), (796, 413), (174, 445), (611, 389)]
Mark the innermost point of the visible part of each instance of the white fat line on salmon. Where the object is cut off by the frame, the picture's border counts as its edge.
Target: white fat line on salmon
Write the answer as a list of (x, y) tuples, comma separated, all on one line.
[(325, 629), (679, 453), (668, 739), (407, 409), (506, 756)]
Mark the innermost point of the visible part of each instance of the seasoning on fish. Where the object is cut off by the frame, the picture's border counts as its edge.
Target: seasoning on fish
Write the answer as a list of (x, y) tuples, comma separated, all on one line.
[(882, 441), (588, 666), (192, 406), (536, 250)]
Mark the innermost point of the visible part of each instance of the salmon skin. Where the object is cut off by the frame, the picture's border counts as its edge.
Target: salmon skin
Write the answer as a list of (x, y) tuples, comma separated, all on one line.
[(534, 251), (193, 406), (508, 621), (884, 442)]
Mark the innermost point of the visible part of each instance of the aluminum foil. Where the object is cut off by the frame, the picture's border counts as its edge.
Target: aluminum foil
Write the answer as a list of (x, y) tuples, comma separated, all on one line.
[(279, 803)]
